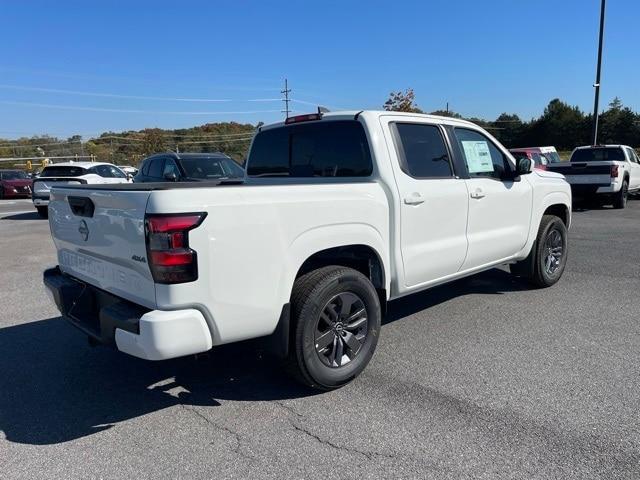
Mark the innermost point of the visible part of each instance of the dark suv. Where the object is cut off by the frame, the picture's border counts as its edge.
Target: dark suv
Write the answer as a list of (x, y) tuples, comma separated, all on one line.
[(188, 167)]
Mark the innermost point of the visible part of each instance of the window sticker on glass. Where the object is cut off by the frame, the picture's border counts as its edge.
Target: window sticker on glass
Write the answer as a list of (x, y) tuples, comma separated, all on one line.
[(478, 156)]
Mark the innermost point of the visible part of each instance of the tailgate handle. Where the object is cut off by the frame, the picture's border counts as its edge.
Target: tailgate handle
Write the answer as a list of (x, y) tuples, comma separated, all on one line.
[(81, 206)]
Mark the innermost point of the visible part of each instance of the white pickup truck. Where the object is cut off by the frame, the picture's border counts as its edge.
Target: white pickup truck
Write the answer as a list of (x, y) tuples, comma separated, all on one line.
[(606, 172), (339, 213)]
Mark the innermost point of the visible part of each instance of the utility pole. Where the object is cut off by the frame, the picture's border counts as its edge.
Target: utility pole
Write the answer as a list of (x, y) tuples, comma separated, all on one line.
[(286, 100), (598, 69)]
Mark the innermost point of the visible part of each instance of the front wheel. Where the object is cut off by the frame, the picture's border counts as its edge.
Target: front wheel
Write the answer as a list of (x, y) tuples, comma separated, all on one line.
[(548, 258), (336, 322)]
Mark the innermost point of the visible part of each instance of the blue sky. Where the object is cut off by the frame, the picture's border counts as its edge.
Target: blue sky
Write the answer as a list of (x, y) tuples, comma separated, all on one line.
[(483, 57)]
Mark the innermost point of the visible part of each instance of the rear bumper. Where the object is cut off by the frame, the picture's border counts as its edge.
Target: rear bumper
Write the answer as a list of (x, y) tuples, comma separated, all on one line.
[(131, 328), (585, 190)]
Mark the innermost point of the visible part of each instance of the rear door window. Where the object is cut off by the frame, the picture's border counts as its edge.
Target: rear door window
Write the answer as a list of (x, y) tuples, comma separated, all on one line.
[(631, 155), (423, 153), (319, 149), (104, 171), (156, 167), (170, 168)]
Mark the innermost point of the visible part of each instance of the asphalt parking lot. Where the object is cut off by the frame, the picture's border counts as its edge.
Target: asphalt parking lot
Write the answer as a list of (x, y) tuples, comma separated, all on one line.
[(482, 378)]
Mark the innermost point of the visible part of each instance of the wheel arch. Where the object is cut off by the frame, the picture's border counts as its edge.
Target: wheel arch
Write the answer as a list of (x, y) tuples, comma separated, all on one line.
[(360, 247), (556, 203), (561, 211)]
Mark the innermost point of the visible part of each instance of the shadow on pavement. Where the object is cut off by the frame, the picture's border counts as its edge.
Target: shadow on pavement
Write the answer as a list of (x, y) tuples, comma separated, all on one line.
[(23, 216), (55, 388), (494, 282)]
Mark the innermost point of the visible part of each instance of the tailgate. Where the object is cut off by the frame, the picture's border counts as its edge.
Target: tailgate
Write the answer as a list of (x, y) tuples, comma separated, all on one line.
[(100, 238), (591, 173)]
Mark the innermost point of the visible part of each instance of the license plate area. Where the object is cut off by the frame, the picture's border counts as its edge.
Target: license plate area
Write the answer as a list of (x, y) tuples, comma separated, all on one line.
[(96, 312)]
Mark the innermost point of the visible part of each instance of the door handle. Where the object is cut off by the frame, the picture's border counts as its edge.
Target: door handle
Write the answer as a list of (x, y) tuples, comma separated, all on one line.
[(414, 199), (478, 193)]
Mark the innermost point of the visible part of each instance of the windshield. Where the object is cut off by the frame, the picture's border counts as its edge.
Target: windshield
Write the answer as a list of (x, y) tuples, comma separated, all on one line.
[(210, 168), (14, 176), (59, 171), (603, 154)]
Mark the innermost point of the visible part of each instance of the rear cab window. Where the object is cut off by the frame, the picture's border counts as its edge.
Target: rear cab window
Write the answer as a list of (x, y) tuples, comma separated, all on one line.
[(603, 154), (329, 148)]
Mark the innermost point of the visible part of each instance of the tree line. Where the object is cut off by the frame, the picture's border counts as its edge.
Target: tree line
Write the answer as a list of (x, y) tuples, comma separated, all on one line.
[(130, 147), (560, 125)]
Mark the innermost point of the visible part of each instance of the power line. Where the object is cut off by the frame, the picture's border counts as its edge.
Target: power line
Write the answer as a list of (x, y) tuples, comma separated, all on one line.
[(132, 97), (35, 145), (166, 137), (218, 141), (117, 110), (170, 135), (316, 104)]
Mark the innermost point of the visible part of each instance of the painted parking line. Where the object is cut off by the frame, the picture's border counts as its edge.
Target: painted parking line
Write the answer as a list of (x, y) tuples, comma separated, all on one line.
[(17, 212)]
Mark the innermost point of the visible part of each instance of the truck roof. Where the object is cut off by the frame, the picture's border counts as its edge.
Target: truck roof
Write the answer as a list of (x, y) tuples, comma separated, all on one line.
[(351, 114), (584, 147), (191, 155)]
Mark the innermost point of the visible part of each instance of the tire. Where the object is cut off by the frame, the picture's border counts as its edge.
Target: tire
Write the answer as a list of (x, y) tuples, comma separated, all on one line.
[(538, 268), (339, 307), (1, 193), (43, 212), (620, 198)]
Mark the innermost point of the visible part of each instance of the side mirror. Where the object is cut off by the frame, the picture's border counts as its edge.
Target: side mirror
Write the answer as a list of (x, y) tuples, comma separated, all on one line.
[(524, 166), (171, 176)]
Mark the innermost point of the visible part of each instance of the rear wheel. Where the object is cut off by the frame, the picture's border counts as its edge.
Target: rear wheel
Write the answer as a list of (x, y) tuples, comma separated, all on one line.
[(336, 322), (546, 262), (1, 193), (43, 212), (620, 198)]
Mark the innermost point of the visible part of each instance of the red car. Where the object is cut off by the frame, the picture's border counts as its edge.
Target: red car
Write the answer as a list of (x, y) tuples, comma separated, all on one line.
[(541, 156), (15, 183)]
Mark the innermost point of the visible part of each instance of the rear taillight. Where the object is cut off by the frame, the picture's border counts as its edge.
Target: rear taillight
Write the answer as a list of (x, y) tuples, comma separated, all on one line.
[(614, 171), (170, 258)]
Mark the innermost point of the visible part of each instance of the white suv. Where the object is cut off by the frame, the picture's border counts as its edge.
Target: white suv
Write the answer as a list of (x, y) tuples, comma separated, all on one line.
[(72, 173)]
